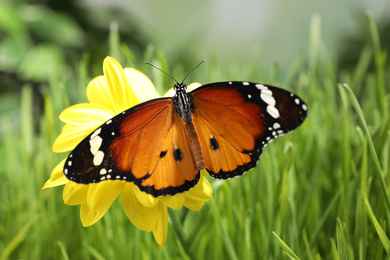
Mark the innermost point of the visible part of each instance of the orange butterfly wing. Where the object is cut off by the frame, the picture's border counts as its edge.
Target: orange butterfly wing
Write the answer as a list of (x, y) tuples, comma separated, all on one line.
[(146, 145), (235, 120)]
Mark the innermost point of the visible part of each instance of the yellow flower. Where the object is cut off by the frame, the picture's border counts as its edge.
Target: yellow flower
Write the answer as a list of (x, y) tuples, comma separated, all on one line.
[(117, 90)]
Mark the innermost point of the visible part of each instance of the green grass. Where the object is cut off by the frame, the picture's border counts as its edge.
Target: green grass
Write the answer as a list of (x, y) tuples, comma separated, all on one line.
[(320, 192)]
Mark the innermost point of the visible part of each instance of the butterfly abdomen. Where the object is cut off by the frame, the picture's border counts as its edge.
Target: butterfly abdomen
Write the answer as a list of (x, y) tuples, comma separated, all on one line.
[(194, 142)]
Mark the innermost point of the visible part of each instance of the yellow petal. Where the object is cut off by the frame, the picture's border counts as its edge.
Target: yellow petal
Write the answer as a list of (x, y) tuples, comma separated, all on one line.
[(57, 177), (144, 218), (89, 216), (141, 85), (175, 202), (72, 135), (144, 198), (170, 93), (120, 90), (99, 93), (101, 195), (193, 86), (193, 204), (202, 190), (75, 193), (160, 232), (85, 114)]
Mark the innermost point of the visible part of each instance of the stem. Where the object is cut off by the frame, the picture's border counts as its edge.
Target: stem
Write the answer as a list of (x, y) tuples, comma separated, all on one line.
[(177, 225)]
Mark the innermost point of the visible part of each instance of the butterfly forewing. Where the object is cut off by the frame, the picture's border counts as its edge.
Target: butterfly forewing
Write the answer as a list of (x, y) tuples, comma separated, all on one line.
[(241, 118)]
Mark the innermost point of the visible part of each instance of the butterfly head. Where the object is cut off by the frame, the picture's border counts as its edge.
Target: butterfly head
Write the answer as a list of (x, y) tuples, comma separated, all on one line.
[(180, 87)]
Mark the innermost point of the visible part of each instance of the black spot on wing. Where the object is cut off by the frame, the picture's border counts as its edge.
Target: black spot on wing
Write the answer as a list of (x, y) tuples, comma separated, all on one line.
[(213, 143), (177, 154), (162, 154)]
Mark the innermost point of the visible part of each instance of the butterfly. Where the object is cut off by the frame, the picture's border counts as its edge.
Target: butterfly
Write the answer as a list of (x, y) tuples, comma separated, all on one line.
[(162, 144)]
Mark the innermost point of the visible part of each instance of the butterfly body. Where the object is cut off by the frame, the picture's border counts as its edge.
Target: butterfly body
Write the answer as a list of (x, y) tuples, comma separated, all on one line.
[(161, 145), (184, 108)]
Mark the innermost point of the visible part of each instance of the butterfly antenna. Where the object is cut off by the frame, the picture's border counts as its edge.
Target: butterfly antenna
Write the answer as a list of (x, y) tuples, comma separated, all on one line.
[(161, 70), (193, 70)]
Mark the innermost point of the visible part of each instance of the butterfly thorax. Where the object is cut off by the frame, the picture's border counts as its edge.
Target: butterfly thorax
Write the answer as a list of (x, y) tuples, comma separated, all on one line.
[(184, 108), (182, 99)]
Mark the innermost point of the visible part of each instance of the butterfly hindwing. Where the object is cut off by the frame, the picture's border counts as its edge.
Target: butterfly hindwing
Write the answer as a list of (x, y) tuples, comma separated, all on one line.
[(146, 145), (235, 120), (176, 169)]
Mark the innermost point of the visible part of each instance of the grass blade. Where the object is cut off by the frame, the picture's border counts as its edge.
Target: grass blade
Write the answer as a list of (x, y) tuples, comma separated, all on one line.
[(285, 247), (379, 171), (380, 59), (381, 233), (225, 236), (18, 238), (341, 246), (114, 41), (63, 250)]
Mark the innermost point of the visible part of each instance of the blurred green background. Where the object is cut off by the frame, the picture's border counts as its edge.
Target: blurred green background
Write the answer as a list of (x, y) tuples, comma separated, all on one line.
[(312, 188)]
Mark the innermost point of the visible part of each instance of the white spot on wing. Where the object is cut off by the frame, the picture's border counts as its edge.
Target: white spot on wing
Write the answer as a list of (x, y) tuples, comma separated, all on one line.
[(109, 122), (266, 96), (70, 163), (98, 158), (261, 87), (97, 131), (273, 111), (297, 101), (95, 144), (103, 171), (304, 107), (245, 83), (276, 125), (66, 171)]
